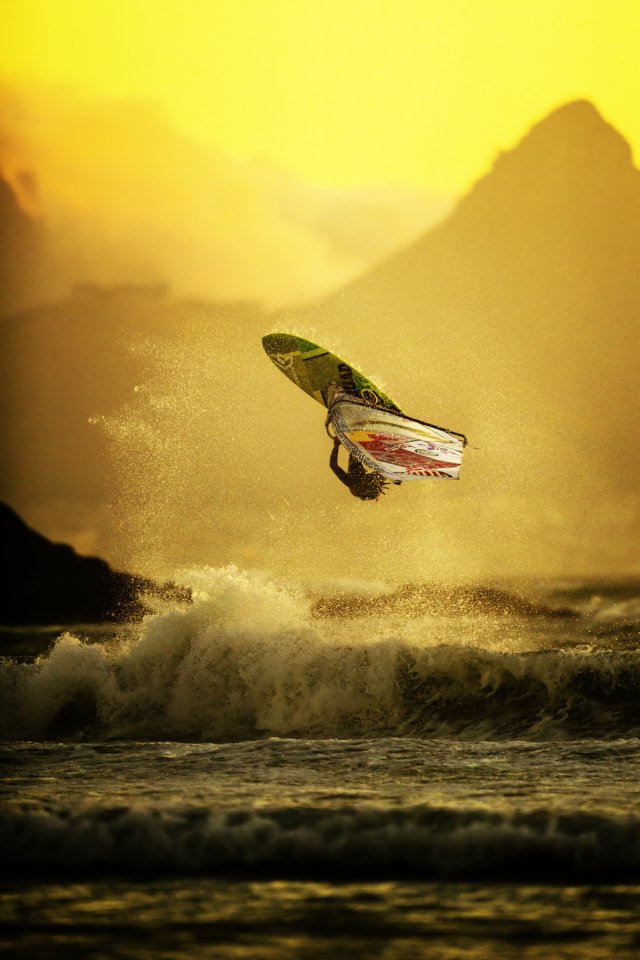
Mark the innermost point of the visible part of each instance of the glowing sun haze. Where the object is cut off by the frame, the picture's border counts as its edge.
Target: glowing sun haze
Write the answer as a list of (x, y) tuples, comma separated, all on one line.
[(342, 93), (271, 152)]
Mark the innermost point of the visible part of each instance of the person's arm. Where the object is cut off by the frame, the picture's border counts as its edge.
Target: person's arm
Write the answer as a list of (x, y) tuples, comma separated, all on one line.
[(341, 474), (356, 469)]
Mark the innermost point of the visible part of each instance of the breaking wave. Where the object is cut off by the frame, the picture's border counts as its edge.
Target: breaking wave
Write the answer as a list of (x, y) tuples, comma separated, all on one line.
[(248, 659), (430, 842)]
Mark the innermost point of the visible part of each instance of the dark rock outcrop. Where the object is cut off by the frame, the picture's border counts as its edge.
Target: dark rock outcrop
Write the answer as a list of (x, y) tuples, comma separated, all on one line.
[(47, 583)]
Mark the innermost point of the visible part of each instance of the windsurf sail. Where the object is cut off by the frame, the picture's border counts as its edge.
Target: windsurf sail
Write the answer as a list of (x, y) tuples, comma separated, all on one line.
[(394, 445)]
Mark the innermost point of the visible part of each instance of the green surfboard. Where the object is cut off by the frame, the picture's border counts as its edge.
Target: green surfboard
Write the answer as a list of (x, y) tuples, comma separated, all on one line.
[(315, 370)]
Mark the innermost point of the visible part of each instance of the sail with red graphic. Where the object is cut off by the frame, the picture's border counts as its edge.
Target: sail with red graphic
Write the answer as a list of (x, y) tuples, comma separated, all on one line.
[(394, 445)]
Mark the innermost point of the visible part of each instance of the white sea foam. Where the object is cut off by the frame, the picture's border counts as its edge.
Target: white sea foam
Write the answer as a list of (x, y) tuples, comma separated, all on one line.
[(248, 659)]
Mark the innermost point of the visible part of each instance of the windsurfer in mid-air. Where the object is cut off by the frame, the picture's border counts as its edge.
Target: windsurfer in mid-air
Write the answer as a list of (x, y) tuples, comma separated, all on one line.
[(384, 444), (361, 482)]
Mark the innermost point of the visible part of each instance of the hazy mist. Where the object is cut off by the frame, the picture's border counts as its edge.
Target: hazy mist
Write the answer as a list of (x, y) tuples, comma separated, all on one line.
[(148, 425), (126, 198)]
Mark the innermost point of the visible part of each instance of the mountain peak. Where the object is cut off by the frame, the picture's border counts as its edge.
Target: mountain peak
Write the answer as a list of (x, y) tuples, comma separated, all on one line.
[(575, 111), (573, 139), (576, 127), (572, 168), (566, 199)]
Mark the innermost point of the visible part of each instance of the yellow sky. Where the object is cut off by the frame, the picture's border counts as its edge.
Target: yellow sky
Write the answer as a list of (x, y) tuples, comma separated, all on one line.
[(342, 91)]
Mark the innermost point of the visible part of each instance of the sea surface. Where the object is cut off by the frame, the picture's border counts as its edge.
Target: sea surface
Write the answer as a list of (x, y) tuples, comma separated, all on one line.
[(276, 771)]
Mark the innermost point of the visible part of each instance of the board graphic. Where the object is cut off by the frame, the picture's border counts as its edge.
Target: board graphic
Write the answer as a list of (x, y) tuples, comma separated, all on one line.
[(316, 371)]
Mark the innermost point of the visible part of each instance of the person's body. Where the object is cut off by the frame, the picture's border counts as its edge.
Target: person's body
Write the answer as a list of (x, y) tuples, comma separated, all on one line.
[(362, 483)]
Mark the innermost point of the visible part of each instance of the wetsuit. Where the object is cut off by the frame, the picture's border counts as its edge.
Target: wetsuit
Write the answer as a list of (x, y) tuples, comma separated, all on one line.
[(361, 483)]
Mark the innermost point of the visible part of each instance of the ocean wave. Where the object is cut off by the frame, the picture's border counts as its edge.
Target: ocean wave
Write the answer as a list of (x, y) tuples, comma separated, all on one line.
[(248, 659), (430, 842)]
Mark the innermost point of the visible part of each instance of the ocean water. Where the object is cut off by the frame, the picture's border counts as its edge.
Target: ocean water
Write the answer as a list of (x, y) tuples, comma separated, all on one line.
[(281, 771)]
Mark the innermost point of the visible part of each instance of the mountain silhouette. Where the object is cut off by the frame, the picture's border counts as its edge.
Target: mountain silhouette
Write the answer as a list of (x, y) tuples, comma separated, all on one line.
[(567, 192), (22, 253), (516, 320)]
